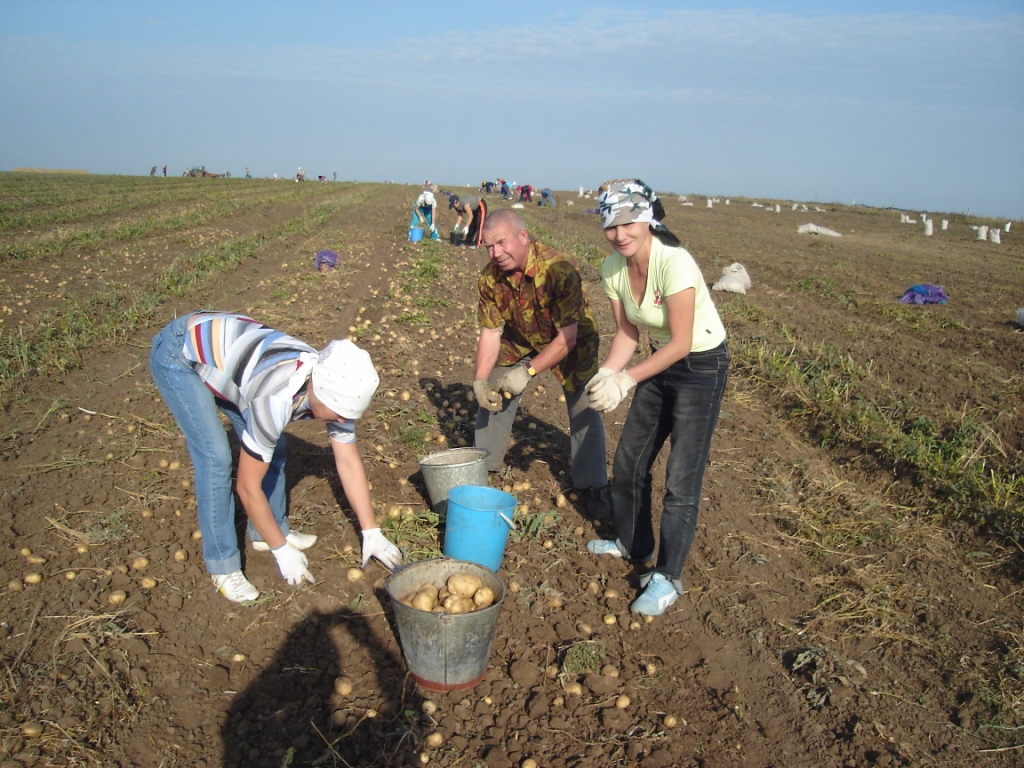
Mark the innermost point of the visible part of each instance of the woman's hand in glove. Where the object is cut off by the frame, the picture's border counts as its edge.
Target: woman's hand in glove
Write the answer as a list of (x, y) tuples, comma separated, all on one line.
[(514, 380), (376, 544), (597, 378), (293, 564), (610, 391), (486, 396)]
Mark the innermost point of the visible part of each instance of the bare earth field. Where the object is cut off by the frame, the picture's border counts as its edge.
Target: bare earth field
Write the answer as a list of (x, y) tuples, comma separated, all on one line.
[(854, 592)]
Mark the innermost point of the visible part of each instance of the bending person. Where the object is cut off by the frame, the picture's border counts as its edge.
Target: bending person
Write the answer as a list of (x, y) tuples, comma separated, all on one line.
[(211, 363), (533, 317), (424, 212), (472, 216), (654, 283)]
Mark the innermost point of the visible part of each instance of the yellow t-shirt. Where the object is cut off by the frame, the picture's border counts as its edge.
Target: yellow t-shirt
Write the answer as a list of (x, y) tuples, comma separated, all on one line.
[(670, 271)]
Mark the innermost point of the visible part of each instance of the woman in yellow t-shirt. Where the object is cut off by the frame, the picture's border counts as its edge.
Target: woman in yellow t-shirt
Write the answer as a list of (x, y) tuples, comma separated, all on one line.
[(654, 283)]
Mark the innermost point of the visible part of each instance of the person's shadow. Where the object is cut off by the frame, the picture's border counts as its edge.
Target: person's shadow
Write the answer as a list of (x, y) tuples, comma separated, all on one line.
[(292, 716)]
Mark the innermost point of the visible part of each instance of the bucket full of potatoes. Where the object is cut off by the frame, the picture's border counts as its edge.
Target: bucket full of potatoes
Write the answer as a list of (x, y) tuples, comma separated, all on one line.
[(446, 612)]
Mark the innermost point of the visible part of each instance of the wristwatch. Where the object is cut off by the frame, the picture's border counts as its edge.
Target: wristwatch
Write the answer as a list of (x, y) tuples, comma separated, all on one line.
[(531, 370)]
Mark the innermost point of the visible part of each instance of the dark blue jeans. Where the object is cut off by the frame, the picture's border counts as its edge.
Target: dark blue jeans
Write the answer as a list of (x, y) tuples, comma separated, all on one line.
[(680, 404)]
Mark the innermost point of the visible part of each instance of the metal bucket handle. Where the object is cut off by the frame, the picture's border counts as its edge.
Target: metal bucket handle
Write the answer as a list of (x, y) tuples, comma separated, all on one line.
[(508, 520)]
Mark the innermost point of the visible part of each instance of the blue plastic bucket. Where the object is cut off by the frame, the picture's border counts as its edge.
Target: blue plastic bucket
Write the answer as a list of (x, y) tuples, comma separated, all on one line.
[(415, 234), (477, 525)]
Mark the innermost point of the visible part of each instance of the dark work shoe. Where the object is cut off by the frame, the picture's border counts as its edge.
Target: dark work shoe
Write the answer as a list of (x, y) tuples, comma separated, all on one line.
[(596, 500)]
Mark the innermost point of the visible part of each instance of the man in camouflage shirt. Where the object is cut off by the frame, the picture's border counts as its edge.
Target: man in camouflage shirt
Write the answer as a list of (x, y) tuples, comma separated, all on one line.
[(533, 317)]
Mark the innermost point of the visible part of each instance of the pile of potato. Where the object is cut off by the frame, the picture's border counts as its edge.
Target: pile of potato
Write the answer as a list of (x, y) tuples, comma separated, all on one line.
[(462, 593)]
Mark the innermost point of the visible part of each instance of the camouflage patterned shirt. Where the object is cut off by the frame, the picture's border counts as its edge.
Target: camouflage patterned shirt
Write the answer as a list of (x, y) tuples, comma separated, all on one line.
[(549, 296)]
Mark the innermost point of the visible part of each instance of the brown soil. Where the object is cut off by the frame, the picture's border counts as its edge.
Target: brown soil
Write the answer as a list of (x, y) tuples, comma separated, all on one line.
[(900, 644)]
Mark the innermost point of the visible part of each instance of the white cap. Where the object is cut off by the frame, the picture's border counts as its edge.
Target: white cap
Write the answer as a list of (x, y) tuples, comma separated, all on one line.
[(344, 378)]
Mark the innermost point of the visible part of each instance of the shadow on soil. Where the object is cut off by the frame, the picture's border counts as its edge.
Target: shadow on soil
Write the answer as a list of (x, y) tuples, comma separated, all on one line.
[(292, 715)]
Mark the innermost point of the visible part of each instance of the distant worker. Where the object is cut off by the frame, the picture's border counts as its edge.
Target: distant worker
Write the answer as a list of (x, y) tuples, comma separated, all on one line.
[(472, 215), (165, 171), (534, 317), (247, 174), (547, 197), (506, 193), (152, 171), (424, 212), (526, 193)]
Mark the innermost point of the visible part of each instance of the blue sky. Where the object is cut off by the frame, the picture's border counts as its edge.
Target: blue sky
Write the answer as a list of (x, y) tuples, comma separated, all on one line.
[(918, 105)]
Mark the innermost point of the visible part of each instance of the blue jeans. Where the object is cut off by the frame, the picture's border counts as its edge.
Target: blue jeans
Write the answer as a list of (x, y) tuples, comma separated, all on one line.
[(197, 412), (586, 437), (428, 216), (681, 403)]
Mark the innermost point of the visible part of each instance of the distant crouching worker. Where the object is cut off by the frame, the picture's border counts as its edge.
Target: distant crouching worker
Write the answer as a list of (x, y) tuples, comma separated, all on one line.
[(472, 215)]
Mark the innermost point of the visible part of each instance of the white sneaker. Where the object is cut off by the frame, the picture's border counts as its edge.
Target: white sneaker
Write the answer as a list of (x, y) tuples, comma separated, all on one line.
[(296, 539), (235, 587)]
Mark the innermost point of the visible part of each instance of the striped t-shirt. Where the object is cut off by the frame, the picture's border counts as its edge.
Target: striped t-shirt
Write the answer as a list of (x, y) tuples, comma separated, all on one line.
[(259, 370)]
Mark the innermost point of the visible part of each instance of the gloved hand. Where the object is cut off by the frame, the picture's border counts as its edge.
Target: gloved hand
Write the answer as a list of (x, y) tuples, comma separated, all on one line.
[(486, 396), (597, 378), (610, 391), (514, 380), (376, 544), (293, 564)]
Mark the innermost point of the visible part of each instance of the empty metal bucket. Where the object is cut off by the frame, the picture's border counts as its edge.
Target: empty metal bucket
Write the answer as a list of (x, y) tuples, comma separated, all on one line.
[(445, 470), (444, 652)]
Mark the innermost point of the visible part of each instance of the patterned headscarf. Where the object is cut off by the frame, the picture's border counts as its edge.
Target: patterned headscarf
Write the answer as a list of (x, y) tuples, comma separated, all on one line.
[(625, 201)]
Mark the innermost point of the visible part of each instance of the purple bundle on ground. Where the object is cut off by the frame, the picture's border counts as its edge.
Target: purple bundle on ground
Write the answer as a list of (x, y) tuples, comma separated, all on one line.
[(924, 294), (325, 259)]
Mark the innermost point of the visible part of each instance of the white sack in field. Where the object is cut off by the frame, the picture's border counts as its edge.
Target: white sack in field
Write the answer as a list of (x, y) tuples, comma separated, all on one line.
[(993, 236), (814, 229), (734, 279)]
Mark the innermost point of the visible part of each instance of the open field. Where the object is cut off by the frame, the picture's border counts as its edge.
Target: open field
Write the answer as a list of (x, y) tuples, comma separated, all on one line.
[(854, 593)]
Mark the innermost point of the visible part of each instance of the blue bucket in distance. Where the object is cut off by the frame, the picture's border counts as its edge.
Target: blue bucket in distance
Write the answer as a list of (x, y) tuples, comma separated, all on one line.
[(477, 525), (415, 234)]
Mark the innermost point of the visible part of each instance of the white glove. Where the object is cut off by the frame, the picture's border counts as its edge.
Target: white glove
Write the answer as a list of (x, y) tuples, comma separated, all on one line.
[(293, 564), (486, 396), (376, 544), (610, 391), (514, 380), (597, 378)]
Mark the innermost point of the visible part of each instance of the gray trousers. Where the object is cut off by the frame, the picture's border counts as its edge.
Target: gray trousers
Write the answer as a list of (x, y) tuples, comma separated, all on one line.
[(586, 438)]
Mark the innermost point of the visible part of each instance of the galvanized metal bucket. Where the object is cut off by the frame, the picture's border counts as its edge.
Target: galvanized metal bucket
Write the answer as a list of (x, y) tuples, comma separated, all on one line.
[(445, 470), (444, 652)]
